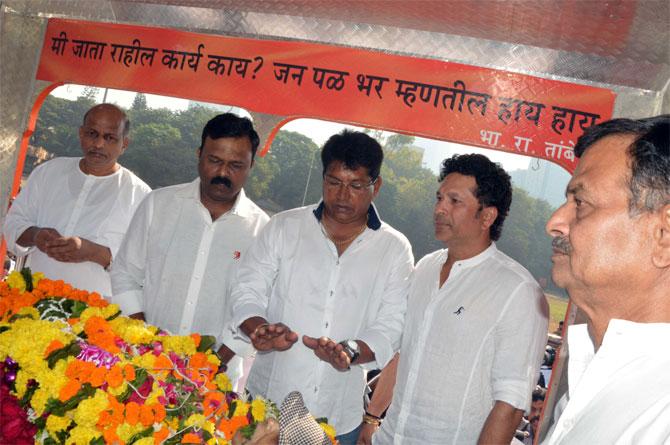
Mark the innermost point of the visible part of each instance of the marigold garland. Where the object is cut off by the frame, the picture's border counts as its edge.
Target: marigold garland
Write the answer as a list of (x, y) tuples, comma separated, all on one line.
[(86, 375)]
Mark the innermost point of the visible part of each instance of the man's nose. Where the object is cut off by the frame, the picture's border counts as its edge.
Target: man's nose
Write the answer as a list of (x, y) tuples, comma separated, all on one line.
[(343, 191), (557, 225)]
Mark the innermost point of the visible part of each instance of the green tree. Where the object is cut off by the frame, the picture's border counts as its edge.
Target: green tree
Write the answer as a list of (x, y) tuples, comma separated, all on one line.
[(139, 102)]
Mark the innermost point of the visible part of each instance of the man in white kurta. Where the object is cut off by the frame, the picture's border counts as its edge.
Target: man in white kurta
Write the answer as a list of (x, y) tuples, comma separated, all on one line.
[(611, 243), (331, 272), (476, 324), (178, 261), (72, 213)]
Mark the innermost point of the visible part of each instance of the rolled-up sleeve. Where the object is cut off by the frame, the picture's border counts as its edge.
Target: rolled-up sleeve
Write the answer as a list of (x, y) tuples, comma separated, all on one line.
[(384, 329), (255, 277), (521, 336), (129, 266)]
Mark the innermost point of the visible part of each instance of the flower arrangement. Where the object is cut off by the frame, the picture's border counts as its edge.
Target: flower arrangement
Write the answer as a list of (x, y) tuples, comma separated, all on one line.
[(83, 374)]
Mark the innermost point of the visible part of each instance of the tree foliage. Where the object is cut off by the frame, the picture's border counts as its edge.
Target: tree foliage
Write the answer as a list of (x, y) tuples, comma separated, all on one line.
[(163, 152)]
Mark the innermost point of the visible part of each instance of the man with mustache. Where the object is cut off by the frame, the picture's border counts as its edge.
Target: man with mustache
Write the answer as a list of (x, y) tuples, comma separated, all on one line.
[(71, 214), (333, 276), (476, 325), (178, 260), (611, 243)]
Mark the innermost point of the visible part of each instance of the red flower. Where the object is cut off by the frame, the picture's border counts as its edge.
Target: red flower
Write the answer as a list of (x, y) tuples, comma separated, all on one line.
[(14, 425)]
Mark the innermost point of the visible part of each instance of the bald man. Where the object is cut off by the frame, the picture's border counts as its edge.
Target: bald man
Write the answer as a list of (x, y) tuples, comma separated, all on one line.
[(72, 213)]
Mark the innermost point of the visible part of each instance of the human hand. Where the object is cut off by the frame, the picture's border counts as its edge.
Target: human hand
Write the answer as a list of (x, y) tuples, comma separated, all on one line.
[(328, 351), (273, 337), (43, 236), (365, 436), (69, 249)]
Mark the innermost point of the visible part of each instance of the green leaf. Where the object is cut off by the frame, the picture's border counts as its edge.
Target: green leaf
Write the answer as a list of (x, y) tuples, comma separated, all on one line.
[(148, 432), (206, 342), (248, 430), (72, 349), (97, 441), (59, 408), (28, 395), (28, 278), (77, 308)]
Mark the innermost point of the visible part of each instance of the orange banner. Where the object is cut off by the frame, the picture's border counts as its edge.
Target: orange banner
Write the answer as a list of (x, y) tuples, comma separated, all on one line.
[(450, 101)]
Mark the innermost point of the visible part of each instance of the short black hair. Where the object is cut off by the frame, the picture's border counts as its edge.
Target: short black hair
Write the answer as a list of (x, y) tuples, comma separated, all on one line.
[(126, 121), (354, 149), (229, 125), (539, 393), (494, 186), (649, 154)]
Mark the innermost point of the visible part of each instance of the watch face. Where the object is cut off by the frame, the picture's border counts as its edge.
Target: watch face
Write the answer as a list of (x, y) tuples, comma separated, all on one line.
[(353, 345)]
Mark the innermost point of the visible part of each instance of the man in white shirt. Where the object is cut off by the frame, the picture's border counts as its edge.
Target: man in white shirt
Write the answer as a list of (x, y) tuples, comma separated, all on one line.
[(611, 253), (72, 213), (476, 324), (176, 265), (335, 274)]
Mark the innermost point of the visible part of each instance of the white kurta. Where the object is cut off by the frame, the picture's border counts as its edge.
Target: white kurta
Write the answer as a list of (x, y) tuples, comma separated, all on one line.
[(177, 265), (619, 394), (60, 196), (292, 274), (477, 339)]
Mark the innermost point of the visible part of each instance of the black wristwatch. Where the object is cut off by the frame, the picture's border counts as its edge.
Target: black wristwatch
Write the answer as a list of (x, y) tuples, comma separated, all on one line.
[(352, 349)]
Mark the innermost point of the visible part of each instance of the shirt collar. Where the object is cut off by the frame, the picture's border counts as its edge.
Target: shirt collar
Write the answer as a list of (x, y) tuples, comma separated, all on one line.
[(373, 216), (477, 259), (242, 206)]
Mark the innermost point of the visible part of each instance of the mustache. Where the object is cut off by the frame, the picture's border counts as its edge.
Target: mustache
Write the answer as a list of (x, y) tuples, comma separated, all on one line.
[(561, 244), (221, 180)]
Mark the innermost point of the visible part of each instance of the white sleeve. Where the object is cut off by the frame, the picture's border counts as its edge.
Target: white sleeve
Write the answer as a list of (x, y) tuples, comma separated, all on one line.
[(520, 339), (24, 212), (383, 331), (255, 278), (128, 267)]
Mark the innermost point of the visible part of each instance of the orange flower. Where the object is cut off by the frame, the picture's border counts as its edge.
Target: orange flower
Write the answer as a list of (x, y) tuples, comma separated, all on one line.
[(229, 426), (97, 377), (53, 346), (129, 372), (132, 413), (213, 402), (191, 438), (100, 334), (196, 338), (146, 415), (160, 435), (115, 377), (159, 412), (68, 391)]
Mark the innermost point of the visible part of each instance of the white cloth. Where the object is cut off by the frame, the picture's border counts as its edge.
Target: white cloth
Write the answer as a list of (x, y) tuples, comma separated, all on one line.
[(60, 196), (621, 393), (177, 266), (292, 274), (478, 339)]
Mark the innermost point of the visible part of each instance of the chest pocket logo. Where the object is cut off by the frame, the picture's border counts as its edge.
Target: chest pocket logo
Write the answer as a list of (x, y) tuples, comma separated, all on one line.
[(459, 311)]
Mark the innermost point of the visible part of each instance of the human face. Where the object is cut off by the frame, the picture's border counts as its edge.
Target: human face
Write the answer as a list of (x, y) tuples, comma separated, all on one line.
[(347, 193), (102, 140), (598, 245), (458, 213), (535, 413), (224, 165)]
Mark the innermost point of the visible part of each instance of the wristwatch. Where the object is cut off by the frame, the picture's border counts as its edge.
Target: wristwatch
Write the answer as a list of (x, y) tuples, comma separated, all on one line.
[(352, 349)]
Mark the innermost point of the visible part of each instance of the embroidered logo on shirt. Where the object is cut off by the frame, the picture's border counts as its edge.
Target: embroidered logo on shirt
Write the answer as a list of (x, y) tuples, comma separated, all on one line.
[(459, 311), (236, 255)]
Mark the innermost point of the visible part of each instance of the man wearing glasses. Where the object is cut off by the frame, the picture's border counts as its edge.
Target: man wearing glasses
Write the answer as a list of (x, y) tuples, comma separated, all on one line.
[(72, 213), (333, 274)]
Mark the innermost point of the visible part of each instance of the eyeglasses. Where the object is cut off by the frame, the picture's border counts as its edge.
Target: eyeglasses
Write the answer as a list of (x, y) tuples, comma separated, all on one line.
[(333, 183)]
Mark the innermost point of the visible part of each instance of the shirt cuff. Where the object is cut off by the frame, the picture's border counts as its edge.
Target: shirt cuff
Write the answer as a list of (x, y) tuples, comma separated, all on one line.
[(245, 312), (128, 301), (380, 345), (513, 392), (239, 346)]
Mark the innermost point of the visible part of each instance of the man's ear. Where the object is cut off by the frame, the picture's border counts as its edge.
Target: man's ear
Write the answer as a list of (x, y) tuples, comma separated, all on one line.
[(488, 216), (377, 186), (661, 234), (198, 152), (126, 142)]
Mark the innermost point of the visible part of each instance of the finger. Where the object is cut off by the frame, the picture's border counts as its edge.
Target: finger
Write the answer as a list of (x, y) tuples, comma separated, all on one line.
[(310, 342), (291, 337)]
